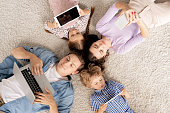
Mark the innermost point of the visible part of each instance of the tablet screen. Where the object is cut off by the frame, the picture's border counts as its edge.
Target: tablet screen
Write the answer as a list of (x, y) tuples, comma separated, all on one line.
[(68, 16)]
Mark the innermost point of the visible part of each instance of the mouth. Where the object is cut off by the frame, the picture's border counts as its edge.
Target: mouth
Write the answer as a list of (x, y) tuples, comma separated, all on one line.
[(102, 86)]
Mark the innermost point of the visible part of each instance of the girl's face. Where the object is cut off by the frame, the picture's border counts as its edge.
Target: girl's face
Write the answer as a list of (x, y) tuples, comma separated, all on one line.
[(75, 35), (97, 82), (99, 48)]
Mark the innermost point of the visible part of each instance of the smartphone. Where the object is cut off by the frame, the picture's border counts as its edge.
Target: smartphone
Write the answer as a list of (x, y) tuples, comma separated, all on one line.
[(67, 16), (121, 22)]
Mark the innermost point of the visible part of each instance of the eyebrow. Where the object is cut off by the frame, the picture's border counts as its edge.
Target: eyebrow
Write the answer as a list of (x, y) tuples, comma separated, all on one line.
[(72, 62)]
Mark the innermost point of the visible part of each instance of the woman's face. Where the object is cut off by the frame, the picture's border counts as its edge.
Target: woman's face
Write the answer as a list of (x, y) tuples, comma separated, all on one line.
[(99, 48), (75, 35)]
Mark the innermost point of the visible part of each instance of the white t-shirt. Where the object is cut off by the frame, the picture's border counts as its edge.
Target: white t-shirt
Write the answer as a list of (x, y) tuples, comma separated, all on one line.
[(10, 88)]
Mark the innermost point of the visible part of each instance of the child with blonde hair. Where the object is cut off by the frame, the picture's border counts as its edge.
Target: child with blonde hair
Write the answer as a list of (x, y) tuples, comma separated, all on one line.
[(104, 91)]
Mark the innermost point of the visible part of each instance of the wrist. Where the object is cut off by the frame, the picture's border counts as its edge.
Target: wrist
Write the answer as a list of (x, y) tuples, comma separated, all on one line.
[(100, 111), (31, 56), (53, 105), (139, 22)]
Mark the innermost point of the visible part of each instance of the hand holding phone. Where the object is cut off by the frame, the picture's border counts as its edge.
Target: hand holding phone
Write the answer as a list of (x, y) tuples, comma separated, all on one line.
[(126, 18)]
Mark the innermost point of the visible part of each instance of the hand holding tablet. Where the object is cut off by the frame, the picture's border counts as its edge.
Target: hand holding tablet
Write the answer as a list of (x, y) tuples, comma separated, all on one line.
[(67, 16)]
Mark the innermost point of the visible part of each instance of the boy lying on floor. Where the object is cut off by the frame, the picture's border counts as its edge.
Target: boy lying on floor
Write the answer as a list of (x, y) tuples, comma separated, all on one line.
[(104, 91)]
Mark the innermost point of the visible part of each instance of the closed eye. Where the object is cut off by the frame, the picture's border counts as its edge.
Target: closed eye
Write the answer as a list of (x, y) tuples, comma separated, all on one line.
[(78, 33), (95, 46), (101, 51)]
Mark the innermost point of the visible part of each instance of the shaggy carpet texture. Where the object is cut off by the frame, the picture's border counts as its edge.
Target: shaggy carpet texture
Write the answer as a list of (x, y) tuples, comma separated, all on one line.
[(145, 71)]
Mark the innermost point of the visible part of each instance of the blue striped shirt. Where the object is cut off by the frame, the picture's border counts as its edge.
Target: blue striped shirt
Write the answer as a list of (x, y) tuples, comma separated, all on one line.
[(111, 89)]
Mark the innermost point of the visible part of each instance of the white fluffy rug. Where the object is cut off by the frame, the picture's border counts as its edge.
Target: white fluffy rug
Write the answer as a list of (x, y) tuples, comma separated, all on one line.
[(145, 71)]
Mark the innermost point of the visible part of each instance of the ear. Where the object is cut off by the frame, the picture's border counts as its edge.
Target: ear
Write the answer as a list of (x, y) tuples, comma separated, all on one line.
[(75, 72)]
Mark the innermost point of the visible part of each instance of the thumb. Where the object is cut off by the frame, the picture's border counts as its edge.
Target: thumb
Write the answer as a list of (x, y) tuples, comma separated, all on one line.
[(47, 90), (81, 12), (121, 13)]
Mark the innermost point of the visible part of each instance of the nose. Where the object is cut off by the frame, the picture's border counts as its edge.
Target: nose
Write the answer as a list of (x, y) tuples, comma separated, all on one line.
[(100, 84), (66, 63), (101, 46)]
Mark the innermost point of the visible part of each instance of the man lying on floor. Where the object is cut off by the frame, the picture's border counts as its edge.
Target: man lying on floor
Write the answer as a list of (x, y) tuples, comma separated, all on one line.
[(42, 61)]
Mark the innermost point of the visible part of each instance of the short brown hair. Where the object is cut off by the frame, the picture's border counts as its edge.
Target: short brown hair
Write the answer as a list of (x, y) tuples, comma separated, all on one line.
[(80, 57), (87, 74)]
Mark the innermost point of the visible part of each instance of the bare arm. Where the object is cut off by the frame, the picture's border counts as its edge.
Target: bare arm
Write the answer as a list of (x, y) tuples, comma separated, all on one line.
[(122, 5), (21, 53), (53, 108), (36, 63), (143, 28)]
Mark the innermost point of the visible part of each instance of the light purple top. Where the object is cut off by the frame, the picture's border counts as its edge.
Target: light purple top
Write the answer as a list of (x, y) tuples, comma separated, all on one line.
[(122, 40)]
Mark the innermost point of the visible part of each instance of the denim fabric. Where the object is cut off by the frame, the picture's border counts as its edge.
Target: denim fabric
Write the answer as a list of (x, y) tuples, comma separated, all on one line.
[(64, 94)]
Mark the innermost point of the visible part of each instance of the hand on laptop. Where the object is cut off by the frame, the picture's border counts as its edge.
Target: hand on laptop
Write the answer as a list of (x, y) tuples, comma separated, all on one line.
[(36, 65), (45, 98)]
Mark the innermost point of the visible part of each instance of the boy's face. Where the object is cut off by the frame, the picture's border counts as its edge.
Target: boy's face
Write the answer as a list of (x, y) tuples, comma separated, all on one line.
[(75, 35), (97, 82), (68, 65)]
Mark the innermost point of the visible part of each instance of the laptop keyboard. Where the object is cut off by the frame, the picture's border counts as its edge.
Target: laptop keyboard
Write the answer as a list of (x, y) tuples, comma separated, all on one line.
[(31, 80)]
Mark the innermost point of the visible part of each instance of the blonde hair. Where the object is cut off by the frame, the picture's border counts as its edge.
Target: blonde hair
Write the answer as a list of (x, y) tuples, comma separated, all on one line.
[(86, 74)]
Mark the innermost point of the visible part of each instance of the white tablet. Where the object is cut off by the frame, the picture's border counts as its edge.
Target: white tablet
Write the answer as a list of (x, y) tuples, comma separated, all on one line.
[(113, 97), (67, 16)]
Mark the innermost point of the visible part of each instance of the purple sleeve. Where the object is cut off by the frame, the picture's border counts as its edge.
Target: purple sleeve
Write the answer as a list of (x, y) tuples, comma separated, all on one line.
[(108, 16), (130, 44)]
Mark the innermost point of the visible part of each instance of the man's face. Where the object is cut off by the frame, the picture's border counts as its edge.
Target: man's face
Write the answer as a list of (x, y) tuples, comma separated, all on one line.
[(97, 82), (68, 65)]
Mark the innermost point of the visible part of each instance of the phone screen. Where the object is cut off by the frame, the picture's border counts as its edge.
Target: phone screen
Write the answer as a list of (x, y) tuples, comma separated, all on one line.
[(68, 16), (121, 22)]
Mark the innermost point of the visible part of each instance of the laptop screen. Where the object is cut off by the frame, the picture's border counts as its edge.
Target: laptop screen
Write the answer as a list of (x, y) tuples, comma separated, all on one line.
[(68, 16)]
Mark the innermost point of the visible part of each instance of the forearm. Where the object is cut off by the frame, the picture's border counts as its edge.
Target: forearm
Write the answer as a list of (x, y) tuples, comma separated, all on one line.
[(53, 108), (21, 53), (122, 5), (143, 28)]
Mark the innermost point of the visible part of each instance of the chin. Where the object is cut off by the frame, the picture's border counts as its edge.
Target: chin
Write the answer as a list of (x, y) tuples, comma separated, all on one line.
[(102, 88)]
